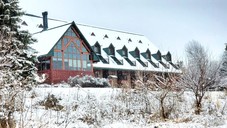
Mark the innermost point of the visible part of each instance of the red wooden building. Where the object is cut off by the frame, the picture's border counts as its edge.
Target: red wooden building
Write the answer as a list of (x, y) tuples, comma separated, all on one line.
[(69, 49)]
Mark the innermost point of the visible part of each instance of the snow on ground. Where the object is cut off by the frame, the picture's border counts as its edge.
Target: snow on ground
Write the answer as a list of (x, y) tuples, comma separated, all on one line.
[(114, 107)]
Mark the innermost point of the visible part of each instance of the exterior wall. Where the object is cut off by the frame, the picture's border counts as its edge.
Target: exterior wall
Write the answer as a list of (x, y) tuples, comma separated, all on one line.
[(98, 73), (62, 75), (48, 75), (57, 76)]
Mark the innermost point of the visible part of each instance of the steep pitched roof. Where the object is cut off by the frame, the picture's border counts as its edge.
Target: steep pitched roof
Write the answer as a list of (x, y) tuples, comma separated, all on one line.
[(47, 39), (119, 39)]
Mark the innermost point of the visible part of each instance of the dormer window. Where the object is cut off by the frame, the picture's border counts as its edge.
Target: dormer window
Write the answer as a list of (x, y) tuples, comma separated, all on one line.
[(106, 36), (92, 34), (118, 38), (137, 53), (129, 40), (96, 48), (159, 55), (148, 54), (168, 57), (111, 50), (124, 52)]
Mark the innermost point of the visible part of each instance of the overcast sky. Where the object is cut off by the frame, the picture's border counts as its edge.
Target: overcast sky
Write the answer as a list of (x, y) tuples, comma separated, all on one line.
[(168, 24)]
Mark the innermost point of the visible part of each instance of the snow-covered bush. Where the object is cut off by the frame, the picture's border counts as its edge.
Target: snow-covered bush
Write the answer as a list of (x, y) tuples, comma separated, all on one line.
[(88, 81)]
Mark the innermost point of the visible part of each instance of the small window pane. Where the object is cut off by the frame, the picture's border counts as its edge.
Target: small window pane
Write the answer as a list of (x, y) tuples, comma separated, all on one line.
[(78, 43), (59, 54), (65, 41), (73, 34), (70, 62), (74, 63), (84, 49), (70, 55), (57, 63), (84, 64), (79, 63)]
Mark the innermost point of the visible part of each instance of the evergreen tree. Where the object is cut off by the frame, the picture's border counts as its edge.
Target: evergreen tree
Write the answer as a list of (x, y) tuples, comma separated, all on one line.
[(223, 69), (17, 62)]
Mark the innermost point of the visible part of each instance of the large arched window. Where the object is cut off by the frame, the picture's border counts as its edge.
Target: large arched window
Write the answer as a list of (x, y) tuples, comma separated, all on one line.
[(70, 53)]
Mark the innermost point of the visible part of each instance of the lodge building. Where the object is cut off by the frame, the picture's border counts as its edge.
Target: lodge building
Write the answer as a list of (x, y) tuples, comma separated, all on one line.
[(70, 49)]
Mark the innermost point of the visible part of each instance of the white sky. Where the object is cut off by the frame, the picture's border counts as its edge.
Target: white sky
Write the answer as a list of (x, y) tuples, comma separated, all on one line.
[(169, 24)]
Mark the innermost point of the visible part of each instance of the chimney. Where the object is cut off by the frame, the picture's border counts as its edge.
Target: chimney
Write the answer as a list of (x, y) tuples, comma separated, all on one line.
[(45, 20)]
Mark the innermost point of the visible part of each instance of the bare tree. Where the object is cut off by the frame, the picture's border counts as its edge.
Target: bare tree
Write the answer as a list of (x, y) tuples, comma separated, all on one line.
[(200, 74), (167, 86)]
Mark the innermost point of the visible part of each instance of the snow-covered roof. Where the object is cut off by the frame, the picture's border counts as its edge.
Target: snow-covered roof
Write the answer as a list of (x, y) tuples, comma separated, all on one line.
[(106, 37), (48, 38), (45, 39)]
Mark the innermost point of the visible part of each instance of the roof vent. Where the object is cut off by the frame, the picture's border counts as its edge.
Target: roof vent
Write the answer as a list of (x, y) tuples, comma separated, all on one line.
[(24, 23), (40, 26), (45, 20), (106, 36), (92, 34)]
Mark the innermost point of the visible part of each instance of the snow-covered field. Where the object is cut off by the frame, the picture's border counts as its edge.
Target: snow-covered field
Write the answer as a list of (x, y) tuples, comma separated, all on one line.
[(116, 108)]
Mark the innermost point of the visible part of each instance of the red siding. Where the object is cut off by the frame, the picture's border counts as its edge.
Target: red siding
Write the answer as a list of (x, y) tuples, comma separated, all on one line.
[(57, 76)]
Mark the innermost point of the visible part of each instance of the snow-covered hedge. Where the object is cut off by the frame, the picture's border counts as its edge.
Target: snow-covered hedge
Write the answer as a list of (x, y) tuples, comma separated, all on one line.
[(88, 81)]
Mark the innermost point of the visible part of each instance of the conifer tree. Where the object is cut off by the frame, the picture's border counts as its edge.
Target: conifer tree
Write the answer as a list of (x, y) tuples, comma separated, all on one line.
[(223, 69), (17, 62)]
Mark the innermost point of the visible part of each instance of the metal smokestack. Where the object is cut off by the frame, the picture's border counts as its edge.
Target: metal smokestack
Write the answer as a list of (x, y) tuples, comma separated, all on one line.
[(45, 20)]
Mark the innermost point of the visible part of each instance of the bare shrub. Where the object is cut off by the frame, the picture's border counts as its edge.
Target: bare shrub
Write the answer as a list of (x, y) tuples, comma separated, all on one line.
[(51, 102)]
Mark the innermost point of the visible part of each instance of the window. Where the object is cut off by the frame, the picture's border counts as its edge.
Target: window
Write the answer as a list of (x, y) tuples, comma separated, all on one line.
[(57, 63), (44, 65), (76, 57), (96, 49), (58, 45), (137, 53), (123, 53), (70, 32), (111, 50)]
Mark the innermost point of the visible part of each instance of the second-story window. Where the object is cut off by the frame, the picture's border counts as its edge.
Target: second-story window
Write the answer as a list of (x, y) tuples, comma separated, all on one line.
[(111, 50), (137, 53)]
